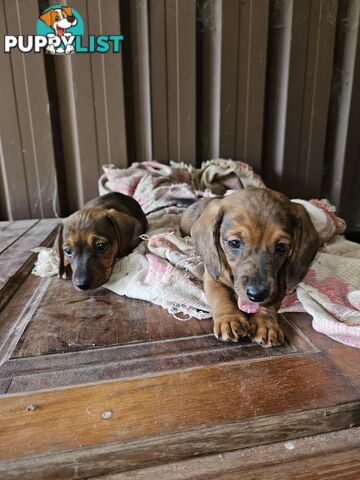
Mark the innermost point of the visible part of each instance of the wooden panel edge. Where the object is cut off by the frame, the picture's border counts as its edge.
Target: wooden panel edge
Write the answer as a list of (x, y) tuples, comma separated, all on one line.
[(120, 456)]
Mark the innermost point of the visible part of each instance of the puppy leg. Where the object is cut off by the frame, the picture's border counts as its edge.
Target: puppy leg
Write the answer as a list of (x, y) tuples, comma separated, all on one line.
[(67, 275), (264, 327), (229, 322)]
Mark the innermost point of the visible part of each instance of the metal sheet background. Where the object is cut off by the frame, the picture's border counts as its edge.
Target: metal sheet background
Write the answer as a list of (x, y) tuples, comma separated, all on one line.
[(275, 83)]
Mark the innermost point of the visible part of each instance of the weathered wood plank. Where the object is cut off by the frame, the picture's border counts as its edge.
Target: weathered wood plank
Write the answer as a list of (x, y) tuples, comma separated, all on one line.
[(97, 319), (10, 232), (346, 359), (144, 357), (119, 456), (149, 406), (16, 327), (14, 308), (331, 455), (17, 260)]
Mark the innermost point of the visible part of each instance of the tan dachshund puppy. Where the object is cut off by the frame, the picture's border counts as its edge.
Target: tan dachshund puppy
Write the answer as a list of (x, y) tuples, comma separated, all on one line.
[(89, 240), (256, 245)]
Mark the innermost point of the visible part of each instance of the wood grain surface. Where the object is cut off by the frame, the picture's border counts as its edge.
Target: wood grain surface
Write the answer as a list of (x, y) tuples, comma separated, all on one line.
[(331, 455)]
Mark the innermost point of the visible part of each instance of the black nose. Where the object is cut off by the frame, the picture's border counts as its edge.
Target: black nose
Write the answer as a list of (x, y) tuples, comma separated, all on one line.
[(83, 284), (256, 294), (71, 18)]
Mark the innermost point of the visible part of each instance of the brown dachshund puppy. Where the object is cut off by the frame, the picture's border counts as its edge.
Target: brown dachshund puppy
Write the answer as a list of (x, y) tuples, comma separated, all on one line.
[(256, 245), (89, 240)]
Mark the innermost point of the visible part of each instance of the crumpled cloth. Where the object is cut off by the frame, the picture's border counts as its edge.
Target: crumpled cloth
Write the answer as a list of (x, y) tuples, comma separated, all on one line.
[(166, 270)]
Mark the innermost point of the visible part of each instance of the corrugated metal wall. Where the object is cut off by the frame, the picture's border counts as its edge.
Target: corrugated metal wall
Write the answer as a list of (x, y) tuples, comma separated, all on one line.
[(274, 83)]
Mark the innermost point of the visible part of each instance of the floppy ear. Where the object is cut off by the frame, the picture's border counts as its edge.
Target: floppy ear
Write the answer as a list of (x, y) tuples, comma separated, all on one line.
[(67, 10), (127, 228), (191, 214), (306, 244), (58, 245), (205, 233), (46, 18)]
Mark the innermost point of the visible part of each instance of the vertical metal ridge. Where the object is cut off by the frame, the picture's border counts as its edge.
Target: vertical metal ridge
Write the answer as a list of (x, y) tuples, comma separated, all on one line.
[(210, 25), (107, 89), (244, 151), (230, 44), (5, 204), (70, 131), (107, 130), (166, 60), (31, 123), (159, 80), (248, 76), (92, 68), (78, 121), (322, 29), (297, 115), (279, 61), (92, 76), (302, 91), (181, 76), (141, 75), (240, 70), (313, 93), (31, 170), (342, 180), (243, 76), (216, 86), (25, 197), (177, 90)]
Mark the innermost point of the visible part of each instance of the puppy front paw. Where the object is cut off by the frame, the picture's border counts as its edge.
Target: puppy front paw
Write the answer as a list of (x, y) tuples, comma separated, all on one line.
[(265, 331), (50, 49), (69, 49), (67, 274), (231, 327)]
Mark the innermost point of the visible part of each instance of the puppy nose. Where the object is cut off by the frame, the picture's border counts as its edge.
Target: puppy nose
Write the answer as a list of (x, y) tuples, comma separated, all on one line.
[(256, 294), (83, 284), (71, 18)]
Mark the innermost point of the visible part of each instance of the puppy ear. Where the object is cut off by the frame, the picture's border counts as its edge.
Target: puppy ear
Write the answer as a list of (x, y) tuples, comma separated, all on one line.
[(46, 18), (58, 245), (67, 10), (191, 214), (128, 230), (306, 244), (206, 233)]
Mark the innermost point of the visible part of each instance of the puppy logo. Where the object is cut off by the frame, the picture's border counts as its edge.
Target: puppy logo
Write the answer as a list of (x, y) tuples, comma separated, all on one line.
[(60, 24), (60, 30)]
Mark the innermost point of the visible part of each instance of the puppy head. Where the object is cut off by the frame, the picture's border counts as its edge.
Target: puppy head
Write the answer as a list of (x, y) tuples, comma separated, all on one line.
[(61, 17), (257, 242), (89, 241)]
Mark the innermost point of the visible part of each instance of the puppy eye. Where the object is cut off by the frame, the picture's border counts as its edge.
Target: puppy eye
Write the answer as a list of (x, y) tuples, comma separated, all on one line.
[(235, 244), (68, 252), (101, 246), (57, 17), (281, 247)]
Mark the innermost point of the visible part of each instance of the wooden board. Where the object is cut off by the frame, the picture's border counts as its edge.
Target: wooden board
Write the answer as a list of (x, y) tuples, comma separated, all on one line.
[(331, 455), (93, 383)]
